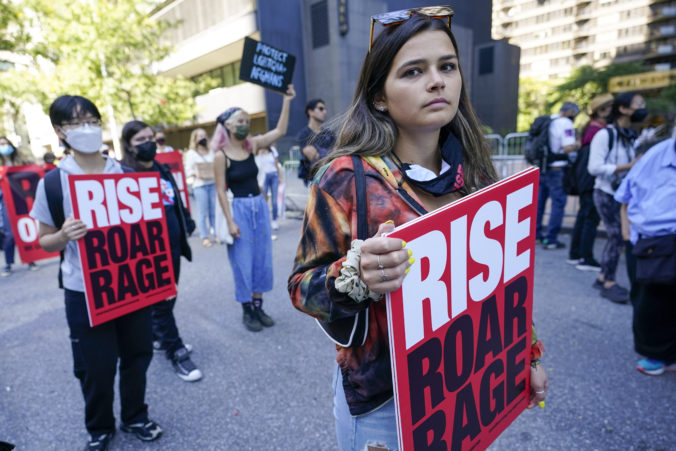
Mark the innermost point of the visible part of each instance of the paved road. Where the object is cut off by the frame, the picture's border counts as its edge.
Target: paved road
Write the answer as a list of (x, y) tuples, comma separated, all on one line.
[(272, 390)]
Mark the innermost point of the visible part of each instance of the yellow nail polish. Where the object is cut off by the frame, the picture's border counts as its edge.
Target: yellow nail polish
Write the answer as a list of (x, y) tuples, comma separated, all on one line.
[(407, 270), (410, 253), (389, 221), (411, 260), (541, 404), (403, 243)]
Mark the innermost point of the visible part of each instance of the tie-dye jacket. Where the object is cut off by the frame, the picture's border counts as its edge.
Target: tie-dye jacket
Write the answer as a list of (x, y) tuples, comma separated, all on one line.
[(329, 226)]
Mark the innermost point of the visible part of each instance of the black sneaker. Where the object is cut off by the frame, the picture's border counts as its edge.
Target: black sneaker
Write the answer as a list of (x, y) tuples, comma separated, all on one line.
[(616, 294), (184, 367), (260, 314), (597, 285), (588, 264), (147, 431), (250, 319), (99, 442)]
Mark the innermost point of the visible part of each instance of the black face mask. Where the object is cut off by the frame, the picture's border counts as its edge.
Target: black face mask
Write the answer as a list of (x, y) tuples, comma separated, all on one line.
[(202, 142), (639, 115), (146, 151), (448, 182)]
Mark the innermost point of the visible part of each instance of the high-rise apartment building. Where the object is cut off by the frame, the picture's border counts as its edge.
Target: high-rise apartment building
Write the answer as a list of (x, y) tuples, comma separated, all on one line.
[(556, 36)]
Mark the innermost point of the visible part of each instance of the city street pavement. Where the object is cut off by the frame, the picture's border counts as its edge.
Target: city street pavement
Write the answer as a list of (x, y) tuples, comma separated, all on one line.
[(272, 390)]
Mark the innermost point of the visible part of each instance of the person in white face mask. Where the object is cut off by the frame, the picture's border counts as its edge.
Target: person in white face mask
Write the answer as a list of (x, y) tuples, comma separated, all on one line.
[(96, 350)]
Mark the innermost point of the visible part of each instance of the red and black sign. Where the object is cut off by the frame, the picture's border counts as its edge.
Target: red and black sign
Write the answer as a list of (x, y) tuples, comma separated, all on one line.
[(460, 326), (19, 184), (125, 255), (174, 160)]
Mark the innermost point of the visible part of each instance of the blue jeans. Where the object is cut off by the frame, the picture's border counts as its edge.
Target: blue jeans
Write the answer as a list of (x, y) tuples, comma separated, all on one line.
[(270, 185), (551, 186), (378, 427), (206, 204), (8, 241), (584, 231), (250, 255)]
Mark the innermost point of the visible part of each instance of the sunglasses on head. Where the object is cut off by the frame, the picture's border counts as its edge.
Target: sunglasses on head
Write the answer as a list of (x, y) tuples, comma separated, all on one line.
[(394, 18)]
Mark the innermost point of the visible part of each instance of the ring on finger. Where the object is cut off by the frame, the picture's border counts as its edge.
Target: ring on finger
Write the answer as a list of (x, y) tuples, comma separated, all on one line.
[(383, 276), (380, 265)]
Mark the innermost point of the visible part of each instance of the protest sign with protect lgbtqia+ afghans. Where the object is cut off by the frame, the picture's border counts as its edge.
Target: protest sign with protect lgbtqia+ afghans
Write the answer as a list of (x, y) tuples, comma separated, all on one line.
[(266, 65), (460, 327), (125, 255)]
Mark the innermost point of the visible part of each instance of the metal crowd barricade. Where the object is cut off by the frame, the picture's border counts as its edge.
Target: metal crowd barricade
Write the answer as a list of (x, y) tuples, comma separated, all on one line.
[(507, 155)]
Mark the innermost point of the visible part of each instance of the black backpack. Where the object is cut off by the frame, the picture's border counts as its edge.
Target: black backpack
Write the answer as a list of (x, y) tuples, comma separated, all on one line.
[(576, 178), (538, 149), (537, 142)]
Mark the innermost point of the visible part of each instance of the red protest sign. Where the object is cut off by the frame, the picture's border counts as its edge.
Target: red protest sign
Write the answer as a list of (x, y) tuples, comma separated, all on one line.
[(19, 184), (174, 160), (460, 325), (125, 255)]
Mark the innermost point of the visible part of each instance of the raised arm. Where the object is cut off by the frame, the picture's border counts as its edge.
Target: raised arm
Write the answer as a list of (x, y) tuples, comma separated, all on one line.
[(267, 139)]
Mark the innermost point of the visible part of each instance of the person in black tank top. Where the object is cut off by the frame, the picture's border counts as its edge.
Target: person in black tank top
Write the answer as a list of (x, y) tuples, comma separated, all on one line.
[(248, 219)]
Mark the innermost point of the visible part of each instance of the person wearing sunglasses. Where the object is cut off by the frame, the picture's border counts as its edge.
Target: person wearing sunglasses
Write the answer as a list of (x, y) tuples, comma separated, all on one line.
[(421, 147), (314, 142), (161, 141)]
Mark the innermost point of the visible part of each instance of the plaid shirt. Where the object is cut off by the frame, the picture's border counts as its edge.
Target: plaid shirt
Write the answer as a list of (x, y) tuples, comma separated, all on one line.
[(329, 226)]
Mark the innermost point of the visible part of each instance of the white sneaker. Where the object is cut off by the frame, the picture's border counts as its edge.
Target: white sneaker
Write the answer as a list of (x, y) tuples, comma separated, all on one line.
[(275, 226)]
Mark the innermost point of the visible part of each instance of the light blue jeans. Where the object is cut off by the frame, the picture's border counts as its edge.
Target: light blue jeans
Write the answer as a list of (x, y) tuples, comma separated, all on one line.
[(205, 196), (250, 255), (376, 428), (270, 186)]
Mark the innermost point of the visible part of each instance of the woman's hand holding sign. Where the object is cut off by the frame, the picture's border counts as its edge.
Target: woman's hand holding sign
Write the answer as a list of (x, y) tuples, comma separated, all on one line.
[(384, 261), (539, 386)]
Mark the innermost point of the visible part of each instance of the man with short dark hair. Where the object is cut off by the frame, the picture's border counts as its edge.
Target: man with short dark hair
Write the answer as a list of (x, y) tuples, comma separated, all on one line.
[(562, 140), (313, 144)]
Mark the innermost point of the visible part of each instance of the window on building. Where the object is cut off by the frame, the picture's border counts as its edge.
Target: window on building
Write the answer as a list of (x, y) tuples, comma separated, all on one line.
[(220, 77), (319, 14), (486, 57)]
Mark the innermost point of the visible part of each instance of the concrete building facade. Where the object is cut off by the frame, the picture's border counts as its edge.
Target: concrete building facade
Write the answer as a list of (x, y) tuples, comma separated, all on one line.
[(556, 36)]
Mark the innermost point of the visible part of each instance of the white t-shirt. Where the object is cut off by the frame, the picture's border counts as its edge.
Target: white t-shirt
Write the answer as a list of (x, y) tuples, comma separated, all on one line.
[(71, 268), (561, 134), (266, 162), (192, 157)]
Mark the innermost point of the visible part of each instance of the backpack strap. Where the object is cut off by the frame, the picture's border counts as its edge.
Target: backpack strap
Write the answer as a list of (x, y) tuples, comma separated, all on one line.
[(54, 193), (360, 192), (611, 142)]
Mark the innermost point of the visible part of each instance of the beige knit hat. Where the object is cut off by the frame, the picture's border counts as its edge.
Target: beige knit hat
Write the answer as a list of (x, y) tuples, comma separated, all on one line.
[(599, 102)]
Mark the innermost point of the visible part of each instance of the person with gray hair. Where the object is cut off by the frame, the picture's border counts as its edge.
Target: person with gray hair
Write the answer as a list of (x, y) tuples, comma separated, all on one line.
[(562, 140)]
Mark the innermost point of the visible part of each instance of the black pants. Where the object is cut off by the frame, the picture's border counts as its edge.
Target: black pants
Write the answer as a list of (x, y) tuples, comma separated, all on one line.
[(655, 322), (164, 324), (584, 231), (95, 356)]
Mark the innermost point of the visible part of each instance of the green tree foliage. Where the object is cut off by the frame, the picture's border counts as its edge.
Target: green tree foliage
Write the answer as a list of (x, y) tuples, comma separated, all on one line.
[(585, 82), (106, 51), (533, 96)]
